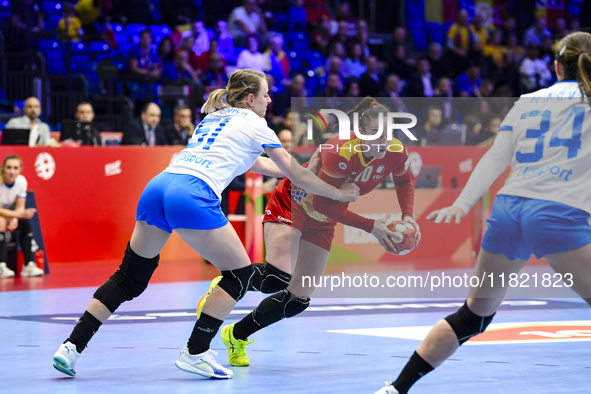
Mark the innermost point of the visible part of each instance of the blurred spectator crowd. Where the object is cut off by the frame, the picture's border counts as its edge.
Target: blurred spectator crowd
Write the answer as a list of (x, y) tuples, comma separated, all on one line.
[(307, 48)]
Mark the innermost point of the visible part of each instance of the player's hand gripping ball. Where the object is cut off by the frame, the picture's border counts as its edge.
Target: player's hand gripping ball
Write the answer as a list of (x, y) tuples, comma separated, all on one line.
[(406, 231)]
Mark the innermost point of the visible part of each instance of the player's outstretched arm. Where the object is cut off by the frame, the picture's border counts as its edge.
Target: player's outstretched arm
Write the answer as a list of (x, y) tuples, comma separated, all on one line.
[(266, 166), (305, 179), (492, 164)]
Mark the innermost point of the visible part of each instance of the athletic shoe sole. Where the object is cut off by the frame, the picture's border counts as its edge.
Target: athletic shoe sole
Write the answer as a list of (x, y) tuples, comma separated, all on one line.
[(62, 365), (188, 368)]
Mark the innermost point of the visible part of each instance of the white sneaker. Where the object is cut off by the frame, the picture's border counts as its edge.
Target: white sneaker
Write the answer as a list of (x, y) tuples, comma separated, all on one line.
[(203, 364), (389, 389), (5, 272), (64, 360), (31, 269)]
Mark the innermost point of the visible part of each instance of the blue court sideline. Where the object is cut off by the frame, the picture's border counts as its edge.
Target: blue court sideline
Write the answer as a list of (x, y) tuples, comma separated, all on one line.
[(135, 351)]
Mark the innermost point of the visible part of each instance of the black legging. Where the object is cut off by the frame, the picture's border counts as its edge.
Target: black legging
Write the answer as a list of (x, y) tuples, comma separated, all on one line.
[(25, 239)]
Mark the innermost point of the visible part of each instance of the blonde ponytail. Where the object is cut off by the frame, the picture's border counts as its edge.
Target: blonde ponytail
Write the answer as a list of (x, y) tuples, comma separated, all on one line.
[(241, 83), (214, 101)]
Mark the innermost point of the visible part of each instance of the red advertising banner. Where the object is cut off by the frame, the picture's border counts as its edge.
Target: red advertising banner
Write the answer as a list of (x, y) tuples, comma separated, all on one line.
[(87, 197)]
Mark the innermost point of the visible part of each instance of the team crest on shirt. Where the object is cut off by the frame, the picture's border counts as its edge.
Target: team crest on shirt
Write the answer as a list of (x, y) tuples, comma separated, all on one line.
[(380, 169), (342, 166)]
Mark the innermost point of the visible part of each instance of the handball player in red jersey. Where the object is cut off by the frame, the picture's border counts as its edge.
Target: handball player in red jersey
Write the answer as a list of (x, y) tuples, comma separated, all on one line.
[(299, 227)]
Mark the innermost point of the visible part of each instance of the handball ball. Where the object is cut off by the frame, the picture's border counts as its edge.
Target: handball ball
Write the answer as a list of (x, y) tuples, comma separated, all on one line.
[(407, 232)]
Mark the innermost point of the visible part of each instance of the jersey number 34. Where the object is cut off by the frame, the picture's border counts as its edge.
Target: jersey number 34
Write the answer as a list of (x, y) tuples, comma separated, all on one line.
[(573, 143)]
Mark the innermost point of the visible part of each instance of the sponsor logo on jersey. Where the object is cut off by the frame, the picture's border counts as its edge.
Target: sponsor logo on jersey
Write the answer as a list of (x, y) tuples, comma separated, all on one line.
[(268, 212), (283, 219), (194, 159), (376, 177), (342, 166), (113, 168), (44, 166)]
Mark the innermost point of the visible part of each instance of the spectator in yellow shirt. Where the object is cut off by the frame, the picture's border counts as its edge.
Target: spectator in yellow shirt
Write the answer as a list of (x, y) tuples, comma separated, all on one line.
[(88, 11), (70, 26), (495, 50), (479, 31), (459, 38)]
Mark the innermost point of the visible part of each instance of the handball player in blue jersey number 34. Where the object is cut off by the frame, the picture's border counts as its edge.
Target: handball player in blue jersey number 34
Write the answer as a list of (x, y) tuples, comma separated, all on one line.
[(543, 208)]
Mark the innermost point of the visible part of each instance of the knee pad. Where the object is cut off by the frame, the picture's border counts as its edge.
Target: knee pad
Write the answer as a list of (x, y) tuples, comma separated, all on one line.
[(269, 279), (283, 304), (237, 282), (130, 280), (466, 324)]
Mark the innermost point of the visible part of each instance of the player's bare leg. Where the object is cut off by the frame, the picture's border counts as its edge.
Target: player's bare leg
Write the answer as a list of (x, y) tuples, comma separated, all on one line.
[(443, 339), (575, 264)]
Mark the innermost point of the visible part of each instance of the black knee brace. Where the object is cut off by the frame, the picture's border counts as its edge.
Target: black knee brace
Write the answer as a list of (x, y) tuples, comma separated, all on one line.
[(130, 280), (279, 306), (237, 282), (466, 324), (269, 279)]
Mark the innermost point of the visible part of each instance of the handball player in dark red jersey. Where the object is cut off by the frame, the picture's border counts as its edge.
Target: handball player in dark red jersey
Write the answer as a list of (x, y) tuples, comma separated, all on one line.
[(299, 227)]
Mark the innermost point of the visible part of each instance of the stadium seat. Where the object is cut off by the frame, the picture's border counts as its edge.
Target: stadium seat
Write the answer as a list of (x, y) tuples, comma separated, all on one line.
[(118, 29), (81, 63), (314, 59), (435, 32), (98, 46), (133, 32), (298, 41), (159, 32), (78, 47), (52, 8), (5, 12), (54, 55), (420, 38), (52, 22), (296, 60)]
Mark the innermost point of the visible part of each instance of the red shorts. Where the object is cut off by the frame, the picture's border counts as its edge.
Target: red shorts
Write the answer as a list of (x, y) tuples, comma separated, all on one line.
[(282, 209)]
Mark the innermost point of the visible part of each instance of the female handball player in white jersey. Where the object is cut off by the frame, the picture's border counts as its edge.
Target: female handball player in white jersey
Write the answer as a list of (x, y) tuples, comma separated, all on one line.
[(13, 216), (543, 208), (299, 227), (185, 197)]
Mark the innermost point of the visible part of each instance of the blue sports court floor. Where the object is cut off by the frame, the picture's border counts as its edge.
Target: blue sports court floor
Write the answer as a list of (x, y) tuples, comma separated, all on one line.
[(336, 346)]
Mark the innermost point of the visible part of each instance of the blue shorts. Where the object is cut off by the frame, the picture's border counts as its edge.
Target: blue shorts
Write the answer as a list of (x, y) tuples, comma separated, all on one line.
[(520, 226), (172, 201)]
